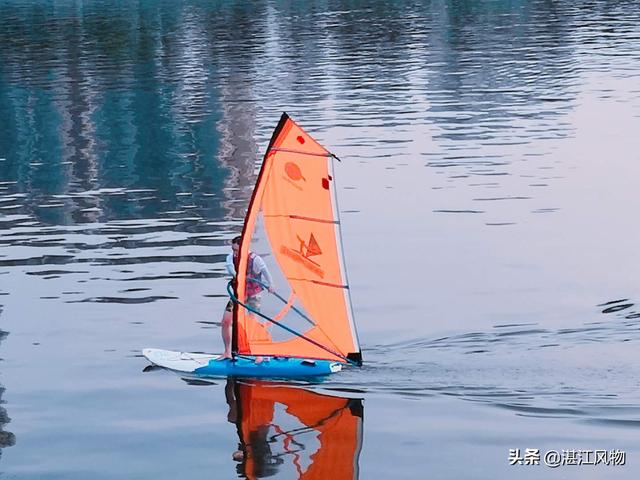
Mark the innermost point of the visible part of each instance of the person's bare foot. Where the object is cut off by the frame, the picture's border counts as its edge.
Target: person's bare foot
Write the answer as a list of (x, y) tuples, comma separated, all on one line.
[(224, 356), (238, 455)]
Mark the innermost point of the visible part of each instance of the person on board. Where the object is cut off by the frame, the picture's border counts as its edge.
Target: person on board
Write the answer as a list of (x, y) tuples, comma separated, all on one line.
[(258, 278)]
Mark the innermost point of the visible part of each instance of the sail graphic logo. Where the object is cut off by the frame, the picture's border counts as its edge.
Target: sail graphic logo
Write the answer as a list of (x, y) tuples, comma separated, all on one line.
[(306, 249), (293, 175)]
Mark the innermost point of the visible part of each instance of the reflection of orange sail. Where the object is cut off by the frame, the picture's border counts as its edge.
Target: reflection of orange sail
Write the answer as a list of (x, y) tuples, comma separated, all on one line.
[(317, 436), (293, 219)]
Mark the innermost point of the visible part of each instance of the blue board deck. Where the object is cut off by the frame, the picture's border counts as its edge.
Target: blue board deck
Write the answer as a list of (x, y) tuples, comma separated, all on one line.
[(205, 365)]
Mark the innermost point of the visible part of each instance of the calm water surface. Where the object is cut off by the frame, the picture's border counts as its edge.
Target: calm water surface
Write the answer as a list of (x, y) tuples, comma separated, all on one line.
[(488, 190)]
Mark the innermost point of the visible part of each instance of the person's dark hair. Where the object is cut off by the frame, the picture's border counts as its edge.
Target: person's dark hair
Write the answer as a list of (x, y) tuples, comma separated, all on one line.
[(237, 240)]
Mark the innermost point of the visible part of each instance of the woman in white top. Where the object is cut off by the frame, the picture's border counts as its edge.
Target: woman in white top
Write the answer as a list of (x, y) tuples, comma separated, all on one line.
[(258, 278)]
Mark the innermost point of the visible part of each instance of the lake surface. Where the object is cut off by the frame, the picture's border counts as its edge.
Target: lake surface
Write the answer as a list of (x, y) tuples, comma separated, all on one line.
[(488, 190)]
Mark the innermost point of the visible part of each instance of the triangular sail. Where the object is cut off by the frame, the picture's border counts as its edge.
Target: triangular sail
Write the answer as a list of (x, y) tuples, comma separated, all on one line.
[(293, 225)]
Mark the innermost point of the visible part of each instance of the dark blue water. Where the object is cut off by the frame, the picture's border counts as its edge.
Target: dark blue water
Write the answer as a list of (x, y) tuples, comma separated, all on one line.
[(488, 191)]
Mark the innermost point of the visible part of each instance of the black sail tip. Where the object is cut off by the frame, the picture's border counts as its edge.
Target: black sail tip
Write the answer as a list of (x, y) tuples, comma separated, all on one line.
[(355, 407), (276, 132), (356, 358)]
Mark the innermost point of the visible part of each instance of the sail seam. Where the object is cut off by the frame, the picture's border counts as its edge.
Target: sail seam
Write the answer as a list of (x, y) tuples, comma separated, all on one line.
[(290, 150), (326, 284), (300, 217)]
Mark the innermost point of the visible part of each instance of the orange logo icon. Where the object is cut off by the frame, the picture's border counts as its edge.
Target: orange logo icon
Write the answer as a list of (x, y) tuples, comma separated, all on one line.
[(305, 250), (293, 175), (309, 249), (293, 171)]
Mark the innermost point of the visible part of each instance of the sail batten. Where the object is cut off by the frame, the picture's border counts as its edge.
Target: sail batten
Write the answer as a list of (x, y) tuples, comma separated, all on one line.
[(288, 150), (324, 284), (292, 223), (307, 219)]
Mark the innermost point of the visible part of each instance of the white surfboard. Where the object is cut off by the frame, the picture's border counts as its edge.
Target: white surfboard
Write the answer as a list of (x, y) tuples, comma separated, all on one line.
[(178, 361)]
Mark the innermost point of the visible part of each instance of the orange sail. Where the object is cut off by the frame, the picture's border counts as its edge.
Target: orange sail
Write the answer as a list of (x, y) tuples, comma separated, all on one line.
[(293, 225), (284, 429)]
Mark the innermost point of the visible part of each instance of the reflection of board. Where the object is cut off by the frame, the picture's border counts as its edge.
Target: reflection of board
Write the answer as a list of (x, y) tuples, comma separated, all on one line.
[(207, 366)]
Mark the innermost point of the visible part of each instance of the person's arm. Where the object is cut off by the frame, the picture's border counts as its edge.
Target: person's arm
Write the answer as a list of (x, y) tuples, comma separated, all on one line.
[(231, 268), (261, 269)]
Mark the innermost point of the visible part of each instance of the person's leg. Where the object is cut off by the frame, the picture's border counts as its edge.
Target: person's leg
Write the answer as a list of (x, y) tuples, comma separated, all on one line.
[(227, 321), (254, 303)]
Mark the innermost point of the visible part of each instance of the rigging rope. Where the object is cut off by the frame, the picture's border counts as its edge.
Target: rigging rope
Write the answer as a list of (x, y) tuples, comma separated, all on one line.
[(288, 329)]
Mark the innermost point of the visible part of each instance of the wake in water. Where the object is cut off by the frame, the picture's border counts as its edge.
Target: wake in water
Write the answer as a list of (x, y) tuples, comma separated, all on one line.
[(588, 372)]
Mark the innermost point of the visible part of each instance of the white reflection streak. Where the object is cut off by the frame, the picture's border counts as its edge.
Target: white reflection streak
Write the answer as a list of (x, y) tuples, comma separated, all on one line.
[(238, 152), (76, 98), (191, 71)]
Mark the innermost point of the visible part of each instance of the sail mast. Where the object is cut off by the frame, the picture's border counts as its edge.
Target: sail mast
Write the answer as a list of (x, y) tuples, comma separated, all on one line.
[(245, 244)]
